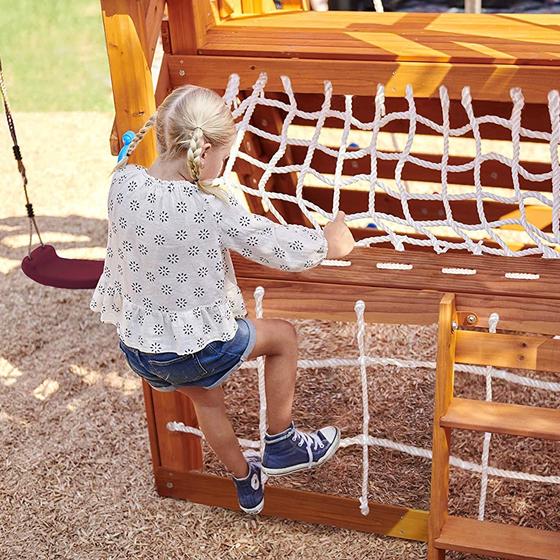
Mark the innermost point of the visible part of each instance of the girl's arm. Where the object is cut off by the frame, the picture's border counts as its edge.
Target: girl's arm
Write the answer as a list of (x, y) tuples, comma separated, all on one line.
[(286, 247)]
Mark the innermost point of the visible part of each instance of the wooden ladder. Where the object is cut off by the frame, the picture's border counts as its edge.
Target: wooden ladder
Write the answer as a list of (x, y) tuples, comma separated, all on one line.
[(459, 346)]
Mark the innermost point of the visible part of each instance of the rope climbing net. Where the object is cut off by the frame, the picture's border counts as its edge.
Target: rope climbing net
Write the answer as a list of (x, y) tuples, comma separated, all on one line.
[(535, 241), (396, 229), (365, 440)]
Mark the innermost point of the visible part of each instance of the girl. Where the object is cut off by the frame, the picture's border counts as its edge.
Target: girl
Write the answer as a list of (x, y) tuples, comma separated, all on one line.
[(169, 286)]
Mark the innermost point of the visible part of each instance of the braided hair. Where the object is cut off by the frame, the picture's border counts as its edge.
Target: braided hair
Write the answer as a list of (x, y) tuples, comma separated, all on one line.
[(188, 118), (136, 140)]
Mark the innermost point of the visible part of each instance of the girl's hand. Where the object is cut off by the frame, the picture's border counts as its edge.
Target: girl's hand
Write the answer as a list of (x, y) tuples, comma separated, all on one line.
[(339, 237)]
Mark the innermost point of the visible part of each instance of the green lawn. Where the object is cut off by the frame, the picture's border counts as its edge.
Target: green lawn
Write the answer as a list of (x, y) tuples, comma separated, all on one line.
[(53, 55)]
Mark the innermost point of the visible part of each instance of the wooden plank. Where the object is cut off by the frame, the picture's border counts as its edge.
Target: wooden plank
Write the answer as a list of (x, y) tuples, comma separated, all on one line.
[(154, 16), (498, 540), (303, 300), (131, 79), (177, 451), (376, 46), (163, 87), (360, 77), (412, 35), (309, 300), (426, 273), (503, 418), (534, 116), (152, 13), (492, 172), (152, 428), (510, 351), (516, 314), (299, 505), (441, 440), (354, 201), (189, 21)]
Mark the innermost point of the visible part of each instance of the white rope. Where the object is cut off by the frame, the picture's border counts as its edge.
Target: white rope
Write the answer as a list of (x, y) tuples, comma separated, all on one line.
[(378, 5), (414, 364), (459, 271), (522, 276), (394, 266), (259, 295), (544, 243), (492, 325), (360, 307), (389, 444)]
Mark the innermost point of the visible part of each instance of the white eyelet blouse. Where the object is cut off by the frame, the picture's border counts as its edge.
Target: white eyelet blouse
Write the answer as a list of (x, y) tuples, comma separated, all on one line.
[(168, 282)]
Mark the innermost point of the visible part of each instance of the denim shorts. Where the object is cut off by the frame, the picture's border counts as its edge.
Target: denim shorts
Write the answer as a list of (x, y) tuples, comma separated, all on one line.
[(207, 368)]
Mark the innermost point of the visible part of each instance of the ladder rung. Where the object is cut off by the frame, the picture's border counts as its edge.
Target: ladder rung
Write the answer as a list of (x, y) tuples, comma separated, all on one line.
[(501, 418), (498, 540)]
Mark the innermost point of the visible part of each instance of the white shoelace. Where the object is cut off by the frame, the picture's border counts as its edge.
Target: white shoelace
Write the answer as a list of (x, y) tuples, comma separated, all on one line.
[(308, 440)]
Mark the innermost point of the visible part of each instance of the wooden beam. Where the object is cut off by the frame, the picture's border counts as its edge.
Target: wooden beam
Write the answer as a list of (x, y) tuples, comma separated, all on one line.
[(483, 275), (354, 201), (361, 77), (133, 92), (441, 441), (299, 505), (503, 418), (507, 350), (499, 540), (492, 172), (177, 451), (534, 116), (328, 301), (189, 21)]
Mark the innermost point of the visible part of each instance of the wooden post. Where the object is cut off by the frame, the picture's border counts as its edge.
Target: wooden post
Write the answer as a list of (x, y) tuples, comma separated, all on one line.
[(133, 92), (188, 23), (125, 35), (442, 436)]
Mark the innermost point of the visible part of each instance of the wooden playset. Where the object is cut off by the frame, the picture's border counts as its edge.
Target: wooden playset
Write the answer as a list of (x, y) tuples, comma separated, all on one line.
[(496, 249)]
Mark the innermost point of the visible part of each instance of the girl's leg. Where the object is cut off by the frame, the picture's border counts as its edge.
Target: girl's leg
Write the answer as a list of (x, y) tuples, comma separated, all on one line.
[(211, 414), (277, 340)]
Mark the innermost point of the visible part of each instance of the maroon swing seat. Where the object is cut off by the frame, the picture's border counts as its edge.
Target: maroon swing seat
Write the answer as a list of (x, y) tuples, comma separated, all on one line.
[(46, 267)]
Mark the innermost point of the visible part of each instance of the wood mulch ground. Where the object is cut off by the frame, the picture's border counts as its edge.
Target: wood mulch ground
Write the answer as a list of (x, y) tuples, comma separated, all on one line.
[(76, 472)]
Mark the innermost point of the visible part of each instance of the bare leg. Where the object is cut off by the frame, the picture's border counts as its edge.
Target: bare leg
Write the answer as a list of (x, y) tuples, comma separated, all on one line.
[(277, 340), (212, 418)]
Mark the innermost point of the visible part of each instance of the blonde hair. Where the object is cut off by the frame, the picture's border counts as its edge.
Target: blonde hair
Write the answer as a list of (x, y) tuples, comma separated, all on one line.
[(186, 119)]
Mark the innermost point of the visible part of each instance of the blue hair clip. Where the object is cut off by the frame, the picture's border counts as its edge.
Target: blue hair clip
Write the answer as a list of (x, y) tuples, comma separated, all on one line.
[(127, 138)]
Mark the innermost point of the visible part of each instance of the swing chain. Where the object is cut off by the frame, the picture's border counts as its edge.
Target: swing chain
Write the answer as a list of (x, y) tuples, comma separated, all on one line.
[(21, 167)]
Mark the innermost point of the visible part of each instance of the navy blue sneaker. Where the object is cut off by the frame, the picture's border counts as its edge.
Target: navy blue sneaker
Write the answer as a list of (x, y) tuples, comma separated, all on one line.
[(250, 490), (291, 450)]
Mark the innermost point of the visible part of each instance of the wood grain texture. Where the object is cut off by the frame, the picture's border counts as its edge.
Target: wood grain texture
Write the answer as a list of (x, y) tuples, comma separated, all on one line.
[(492, 172), (441, 440), (502, 418), (298, 505), (133, 93), (360, 77), (177, 451), (189, 21), (426, 273), (508, 350), (499, 540)]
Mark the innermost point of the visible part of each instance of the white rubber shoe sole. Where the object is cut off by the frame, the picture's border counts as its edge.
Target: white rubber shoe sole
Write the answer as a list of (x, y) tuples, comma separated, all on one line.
[(304, 466), (255, 510)]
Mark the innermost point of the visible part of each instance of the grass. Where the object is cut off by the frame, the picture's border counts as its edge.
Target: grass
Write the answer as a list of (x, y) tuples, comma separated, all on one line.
[(53, 55)]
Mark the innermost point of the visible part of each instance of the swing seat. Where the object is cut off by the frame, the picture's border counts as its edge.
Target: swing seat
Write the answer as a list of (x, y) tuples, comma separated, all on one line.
[(46, 267)]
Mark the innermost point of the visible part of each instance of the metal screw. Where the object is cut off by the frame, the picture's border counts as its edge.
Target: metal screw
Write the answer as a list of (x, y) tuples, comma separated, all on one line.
[(181, 72), (471, 319), (264, 122), (170, 485), (454, 325)]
